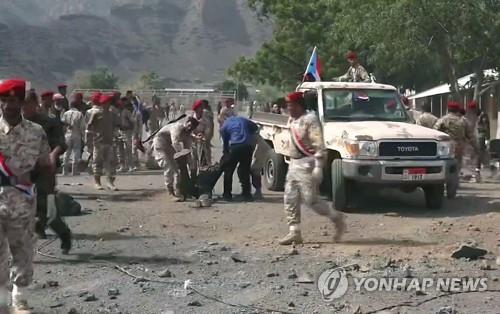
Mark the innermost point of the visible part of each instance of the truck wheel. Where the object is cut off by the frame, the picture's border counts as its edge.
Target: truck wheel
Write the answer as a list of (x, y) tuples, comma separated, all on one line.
[(275, 172), (339, 186), (452, 186), (434, 195)]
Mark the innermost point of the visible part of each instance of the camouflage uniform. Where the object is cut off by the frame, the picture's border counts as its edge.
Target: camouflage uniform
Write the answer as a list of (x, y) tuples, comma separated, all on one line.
[(118, 144), (206, 129), (136, 136), (22, 146), (456, 127), (355, 73), (300, 185), (75, 126), (472, 150), (427, 119), (102, 125), (483, 134), (170, 139)]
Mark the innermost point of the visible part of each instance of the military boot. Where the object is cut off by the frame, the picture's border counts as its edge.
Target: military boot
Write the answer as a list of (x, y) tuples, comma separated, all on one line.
[(19, 300), (98, 185), (65, 243), (170, 191), (178, 196), (294, 236), (111, 184)]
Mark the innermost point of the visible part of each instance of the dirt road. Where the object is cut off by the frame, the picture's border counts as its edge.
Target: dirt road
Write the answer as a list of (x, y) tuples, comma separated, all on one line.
[(229, 252)]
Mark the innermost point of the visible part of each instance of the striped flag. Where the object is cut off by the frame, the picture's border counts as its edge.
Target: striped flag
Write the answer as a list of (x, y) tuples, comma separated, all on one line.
[(313, 70)]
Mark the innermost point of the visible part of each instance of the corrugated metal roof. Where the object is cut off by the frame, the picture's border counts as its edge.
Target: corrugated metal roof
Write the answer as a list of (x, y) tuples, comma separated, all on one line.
[(445, 88)]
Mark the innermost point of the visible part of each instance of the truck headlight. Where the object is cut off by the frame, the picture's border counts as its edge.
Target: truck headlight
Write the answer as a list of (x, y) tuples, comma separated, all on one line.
[(445, 149), (362, 148)]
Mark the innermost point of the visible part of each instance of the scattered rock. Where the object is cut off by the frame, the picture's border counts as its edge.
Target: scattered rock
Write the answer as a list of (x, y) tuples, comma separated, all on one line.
[(476, 229), (90, 298), (469, 252), (194, 303), (291, 304), (316, 246), (82, 294), (166, 273), (73, 311), (278, 287), (139, 280), (51, 283), (189, 272), (211, 263), (364, 269), (446, 310), (272, 275), (113, 292), (292, 275), (244, 285), (237, 259), (305, 293), (497, 261), (213, 243), (225, 249), (420, 292), (293, 251), (123, 229), (324, 233), (305, 278)]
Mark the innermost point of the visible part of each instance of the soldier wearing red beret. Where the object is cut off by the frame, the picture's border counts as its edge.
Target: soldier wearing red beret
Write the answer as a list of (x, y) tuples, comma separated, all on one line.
[(101, 124), (25, 149), (356, 72), (305, 172)]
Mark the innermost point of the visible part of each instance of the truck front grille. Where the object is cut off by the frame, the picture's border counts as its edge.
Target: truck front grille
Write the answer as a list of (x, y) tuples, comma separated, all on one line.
[(408, 149)]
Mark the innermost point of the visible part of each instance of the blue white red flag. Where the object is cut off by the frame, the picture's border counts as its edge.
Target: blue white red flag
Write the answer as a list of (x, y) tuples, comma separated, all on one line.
[(313, 70)]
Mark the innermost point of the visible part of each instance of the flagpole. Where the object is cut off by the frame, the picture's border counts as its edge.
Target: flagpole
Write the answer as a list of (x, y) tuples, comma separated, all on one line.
[(307, 66)]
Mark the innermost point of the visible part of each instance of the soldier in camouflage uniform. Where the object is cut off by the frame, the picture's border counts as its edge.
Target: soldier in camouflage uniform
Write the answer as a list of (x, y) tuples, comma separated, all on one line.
[(47, 213), (472, 149), (127, 132), (101, 124), (258, 161), (427, 119), (483, 135), (305, 172), (24, 148), (89, 136), (455, 126), (356, 72)]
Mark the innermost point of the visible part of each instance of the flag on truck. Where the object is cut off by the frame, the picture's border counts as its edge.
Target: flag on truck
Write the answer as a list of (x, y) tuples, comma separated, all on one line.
[(313, 70)]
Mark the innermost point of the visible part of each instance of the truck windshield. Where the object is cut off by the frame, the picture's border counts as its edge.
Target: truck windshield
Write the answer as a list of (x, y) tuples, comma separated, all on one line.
[(363, 105)]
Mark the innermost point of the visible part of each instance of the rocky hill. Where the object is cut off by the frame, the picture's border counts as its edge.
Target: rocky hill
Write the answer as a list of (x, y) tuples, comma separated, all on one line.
[(188, 42)]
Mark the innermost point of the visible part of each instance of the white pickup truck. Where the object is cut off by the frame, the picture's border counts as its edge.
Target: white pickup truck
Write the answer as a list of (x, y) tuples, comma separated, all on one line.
[(370, 140)]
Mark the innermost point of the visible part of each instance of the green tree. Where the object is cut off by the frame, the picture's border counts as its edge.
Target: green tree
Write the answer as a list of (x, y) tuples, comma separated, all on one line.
[(409, 43), (229, 85), (102, 78), (151, 80)]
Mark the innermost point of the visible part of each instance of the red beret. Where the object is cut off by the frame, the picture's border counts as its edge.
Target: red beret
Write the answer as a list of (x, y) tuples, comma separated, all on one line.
[(296, 97), (95, 98), (472, 104), (453, 105), (13, 87), (62, 86), (104, 99), (47, 93), (197, 104), (351, 55)]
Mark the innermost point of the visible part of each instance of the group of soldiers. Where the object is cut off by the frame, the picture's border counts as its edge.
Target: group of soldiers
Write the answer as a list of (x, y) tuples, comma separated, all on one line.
[(467, 127)]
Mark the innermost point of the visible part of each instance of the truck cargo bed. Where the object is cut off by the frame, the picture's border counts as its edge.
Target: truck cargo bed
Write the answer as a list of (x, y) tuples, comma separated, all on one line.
[(270, 118)]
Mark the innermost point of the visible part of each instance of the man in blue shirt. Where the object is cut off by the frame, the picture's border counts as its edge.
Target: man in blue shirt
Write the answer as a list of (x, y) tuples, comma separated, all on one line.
[(237, 134)]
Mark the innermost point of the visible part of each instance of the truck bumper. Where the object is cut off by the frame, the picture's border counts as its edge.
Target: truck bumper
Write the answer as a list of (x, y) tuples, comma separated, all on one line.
[(393, 171)]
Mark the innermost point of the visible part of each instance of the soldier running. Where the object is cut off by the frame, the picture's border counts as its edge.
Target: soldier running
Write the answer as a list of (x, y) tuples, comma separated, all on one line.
[(455, 126), (101, 124), (356, 72), (23, 148), (171, 139), (305, 172)]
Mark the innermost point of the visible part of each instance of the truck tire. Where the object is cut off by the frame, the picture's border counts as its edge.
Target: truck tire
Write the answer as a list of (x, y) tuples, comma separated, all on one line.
[(339, 186), (275, 170), (434, 195), (452, 186)]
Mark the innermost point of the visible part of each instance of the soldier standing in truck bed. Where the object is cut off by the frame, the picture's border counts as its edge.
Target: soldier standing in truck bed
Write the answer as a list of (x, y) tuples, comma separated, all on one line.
[(356, 72)]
